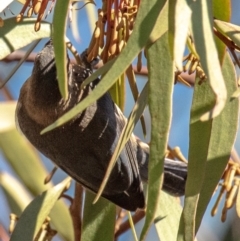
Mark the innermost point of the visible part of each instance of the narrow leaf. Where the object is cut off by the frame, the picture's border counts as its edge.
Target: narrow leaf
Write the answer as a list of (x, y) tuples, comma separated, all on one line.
[(222, 11), (98, 219), (179, 19), (7, 120), (117, 92), (36, 212), (236, 93), (221, 142), (25, 162), (59, 27), (203, 101), (202, 27), (13, 189), (14, 36), (133, 85), (161, 24), (161, 82), (167, 217)]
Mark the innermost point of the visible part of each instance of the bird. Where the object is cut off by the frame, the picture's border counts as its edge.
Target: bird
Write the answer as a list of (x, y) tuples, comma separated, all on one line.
[(84, 146)]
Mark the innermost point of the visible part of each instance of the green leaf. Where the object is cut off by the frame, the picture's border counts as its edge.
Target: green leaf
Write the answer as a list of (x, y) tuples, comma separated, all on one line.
[(59, 27), (167, 217), (221, 142), (13, 189), (98, 219), (117, 92), (36, 212), (14, 36), (161, 81), (179, 20), (145, 22), (7, 120), (161, 24), (134, 89), (25, 162), (236, 93), (221, 10), (202, 28), (203, 101)]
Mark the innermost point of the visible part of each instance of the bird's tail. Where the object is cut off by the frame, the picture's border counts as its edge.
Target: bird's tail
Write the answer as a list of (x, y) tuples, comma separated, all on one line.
[(175, 172)]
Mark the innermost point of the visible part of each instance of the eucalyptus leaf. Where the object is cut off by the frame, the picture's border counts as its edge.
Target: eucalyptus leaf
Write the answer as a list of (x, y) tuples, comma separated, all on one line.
[(7, 120), (36, 212), (221, 142), (161, 81), (202, 25), (236, 93), (133, 85), (203, 101), (179, 21), (167, 217), (117, 92), (59, 26), (13, 189), (14, 36), (98, 219), (222, 11), (28, 167)]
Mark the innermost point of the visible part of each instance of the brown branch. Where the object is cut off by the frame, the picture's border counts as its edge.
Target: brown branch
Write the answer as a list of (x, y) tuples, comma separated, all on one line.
[(188, 78), (17, 55), (120, 217), (228, 42), (75, 211)]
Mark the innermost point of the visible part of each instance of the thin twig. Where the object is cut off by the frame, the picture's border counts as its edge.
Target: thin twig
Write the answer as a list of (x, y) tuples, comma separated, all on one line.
[(234, 56), (3, 234), (17, 55), (120, 217), (140, 214), (19, 64), (228, 42), (6, 91), (75, 211)]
